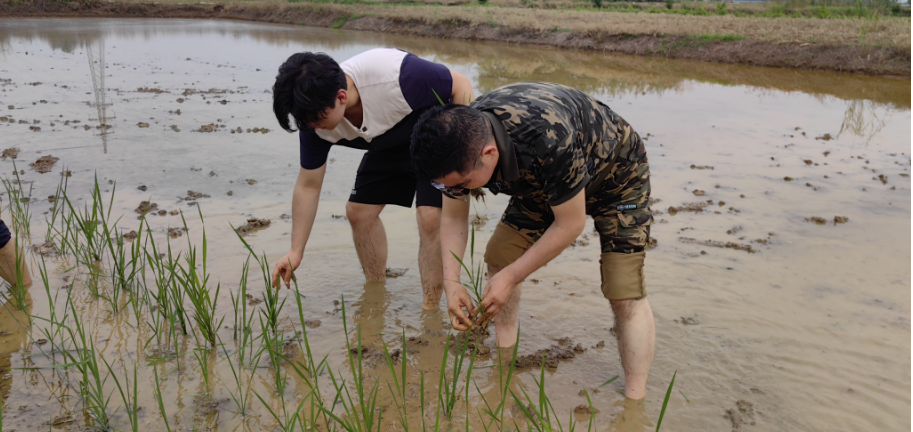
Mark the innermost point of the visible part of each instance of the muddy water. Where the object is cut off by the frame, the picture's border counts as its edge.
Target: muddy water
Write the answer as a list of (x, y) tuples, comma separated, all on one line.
[(794, 326)]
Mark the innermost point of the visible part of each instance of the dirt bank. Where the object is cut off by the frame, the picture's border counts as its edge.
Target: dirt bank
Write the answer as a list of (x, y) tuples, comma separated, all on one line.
[(774, 42)]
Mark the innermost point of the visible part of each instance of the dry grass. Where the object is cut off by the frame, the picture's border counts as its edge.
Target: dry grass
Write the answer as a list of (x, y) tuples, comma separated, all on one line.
[(884, 32)]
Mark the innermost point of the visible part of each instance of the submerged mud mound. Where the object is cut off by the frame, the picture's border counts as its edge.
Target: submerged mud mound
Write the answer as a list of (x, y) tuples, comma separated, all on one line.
[(44, 164), (252, 225), (564, 350), (475, 341)]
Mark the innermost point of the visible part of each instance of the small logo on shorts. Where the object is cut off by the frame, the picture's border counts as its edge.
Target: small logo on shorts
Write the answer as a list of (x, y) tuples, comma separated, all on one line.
[(353, 191), (624, 207)]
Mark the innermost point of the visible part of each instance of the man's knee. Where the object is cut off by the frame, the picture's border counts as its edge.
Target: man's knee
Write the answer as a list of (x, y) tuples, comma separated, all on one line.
[(362, 214), (429, 221), (624, 309)]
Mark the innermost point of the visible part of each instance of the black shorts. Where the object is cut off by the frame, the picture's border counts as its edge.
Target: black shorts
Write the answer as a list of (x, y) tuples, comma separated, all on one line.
[(386, 177)]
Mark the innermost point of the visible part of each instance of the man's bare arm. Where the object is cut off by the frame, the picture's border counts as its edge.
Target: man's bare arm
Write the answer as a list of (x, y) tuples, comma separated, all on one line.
[(462, 89), (305, 199)]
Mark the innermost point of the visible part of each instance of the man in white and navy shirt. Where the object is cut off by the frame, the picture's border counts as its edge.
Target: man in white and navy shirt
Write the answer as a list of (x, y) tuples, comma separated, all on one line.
[(369, 102)]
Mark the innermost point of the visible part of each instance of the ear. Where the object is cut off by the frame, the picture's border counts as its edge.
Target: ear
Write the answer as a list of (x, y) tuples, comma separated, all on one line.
[(342, 96), (490, 150)]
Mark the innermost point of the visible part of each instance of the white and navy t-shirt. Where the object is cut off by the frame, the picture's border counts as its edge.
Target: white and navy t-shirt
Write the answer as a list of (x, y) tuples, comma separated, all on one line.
[(395, 87)]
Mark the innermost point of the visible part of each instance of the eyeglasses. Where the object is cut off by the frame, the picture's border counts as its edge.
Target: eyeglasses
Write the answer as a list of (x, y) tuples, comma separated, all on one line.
[(461, 194)]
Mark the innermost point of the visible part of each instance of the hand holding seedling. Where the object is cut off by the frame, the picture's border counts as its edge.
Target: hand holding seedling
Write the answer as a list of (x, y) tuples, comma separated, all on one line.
[(497, 294), (457, 300), (285, 268)]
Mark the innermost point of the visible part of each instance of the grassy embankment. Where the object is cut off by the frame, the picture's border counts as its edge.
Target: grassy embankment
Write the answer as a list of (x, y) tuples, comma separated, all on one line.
[(871, 38)]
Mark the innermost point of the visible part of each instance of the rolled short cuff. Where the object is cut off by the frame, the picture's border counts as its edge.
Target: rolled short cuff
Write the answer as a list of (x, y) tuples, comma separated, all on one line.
[(623, 275), (506, 246)]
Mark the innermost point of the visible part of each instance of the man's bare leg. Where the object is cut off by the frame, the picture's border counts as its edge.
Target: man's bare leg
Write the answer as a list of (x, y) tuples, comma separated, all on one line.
[(636, 339), (429, 255), (507, 319), (370, 239)]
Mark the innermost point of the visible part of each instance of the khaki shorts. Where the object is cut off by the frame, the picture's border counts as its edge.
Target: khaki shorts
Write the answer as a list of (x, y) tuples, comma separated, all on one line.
[(621, 211)]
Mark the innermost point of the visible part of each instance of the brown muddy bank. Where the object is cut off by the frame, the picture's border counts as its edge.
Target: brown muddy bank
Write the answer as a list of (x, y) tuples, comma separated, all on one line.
[(846, 57)]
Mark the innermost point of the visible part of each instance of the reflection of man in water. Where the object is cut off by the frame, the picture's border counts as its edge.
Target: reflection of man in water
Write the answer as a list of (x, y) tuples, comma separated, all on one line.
[(369, 102), (561, 155)]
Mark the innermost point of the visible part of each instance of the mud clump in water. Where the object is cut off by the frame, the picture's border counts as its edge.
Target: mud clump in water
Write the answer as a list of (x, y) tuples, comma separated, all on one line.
[(336, 216), (130, 236), (312, 323), (817, 220), (841, 219), (44, 164), (564, 350), (825, 137), (175, 128), (695, 207), (788, 178), (251, 182), (689, 321), (372, 357), (253, 224), (146, 207), (192, 196), (12, 153), (719, 244), (176, 232), (45, 249), (741, 415), (143, 125), (701, 167), (150, 90), (478, 220), (734, 230), (476, 341), (584, 409), (698, 192), (253, 301), (395, 272), (142, 188)]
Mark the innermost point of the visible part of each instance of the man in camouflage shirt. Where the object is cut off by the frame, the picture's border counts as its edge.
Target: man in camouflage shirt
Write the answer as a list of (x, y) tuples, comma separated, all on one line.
[(561, 155)]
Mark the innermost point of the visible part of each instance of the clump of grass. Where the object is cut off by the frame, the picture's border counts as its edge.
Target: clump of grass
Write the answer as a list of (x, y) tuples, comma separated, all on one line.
[(447, 393), (19, 201)]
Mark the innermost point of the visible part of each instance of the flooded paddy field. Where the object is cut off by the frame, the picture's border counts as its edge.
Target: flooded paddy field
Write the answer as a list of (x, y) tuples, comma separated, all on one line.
[(780, 277)]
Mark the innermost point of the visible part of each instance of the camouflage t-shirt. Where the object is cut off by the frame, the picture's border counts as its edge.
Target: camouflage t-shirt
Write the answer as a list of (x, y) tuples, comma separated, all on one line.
[(562, 138)]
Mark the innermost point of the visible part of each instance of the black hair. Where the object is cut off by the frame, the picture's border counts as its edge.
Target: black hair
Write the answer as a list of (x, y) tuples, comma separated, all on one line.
[(305, 87), (448, 139)]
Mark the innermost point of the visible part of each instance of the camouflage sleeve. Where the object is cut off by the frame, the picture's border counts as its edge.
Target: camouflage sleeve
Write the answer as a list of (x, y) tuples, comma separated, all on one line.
[(564, 171)]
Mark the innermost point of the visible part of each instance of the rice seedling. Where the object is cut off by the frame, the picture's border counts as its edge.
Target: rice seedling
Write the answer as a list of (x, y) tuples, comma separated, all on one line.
[(542, 416), (242, 383), (360, 409), (157, 392), (241, 329), (272, 307), (399, 395), (85, 360), (662, 412), (476, 285), (196, 287), (19, 205), (496, 414), (56, 207), (129, 397), (447, 392), (309, 370), (285, 420), (202, 356)]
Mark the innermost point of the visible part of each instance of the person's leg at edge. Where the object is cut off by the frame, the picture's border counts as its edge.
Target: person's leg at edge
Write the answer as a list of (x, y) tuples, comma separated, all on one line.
[(507, 320), (429, 255), (370, 239), (13, 265), (636, 340)]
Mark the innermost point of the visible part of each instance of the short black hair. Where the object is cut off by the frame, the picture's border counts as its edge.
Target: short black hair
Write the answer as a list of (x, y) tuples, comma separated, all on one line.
[(448, 139), (305, 87)]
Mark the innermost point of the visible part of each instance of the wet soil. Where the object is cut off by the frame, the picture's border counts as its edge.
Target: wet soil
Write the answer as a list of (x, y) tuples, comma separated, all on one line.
[(10, 153), (253, 225), (471, 341), (146, 207), (396, 272), (44, 164), (719, 244), (372, 358), (742, 415), (551, 356)]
